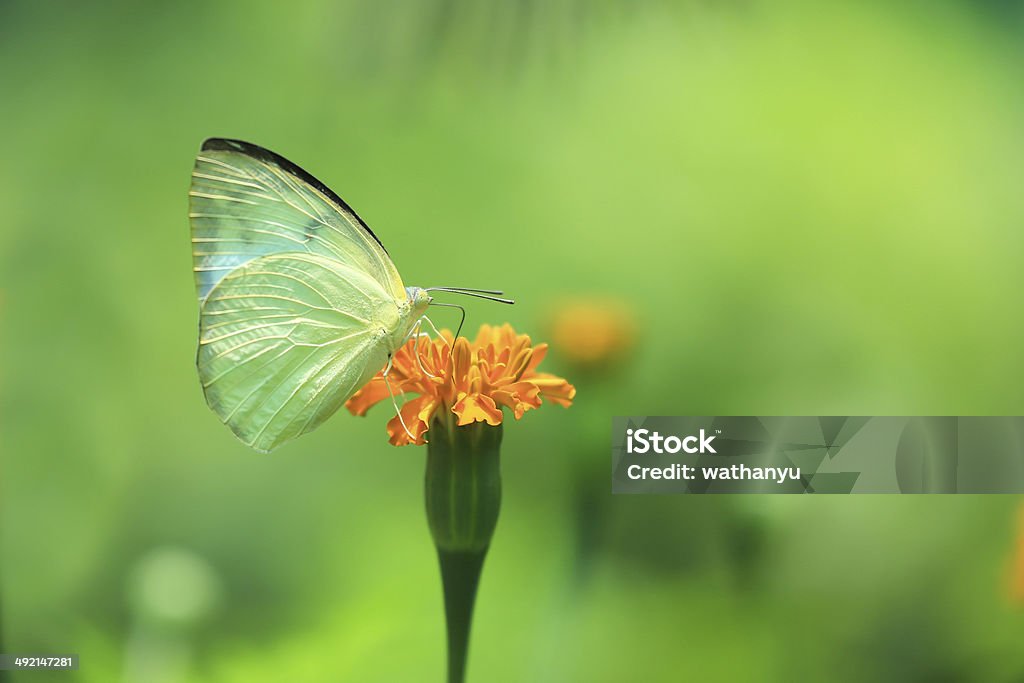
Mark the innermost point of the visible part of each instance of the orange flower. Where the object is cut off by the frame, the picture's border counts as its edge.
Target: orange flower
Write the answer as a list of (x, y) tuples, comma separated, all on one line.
[(593, 332), (473, 380)]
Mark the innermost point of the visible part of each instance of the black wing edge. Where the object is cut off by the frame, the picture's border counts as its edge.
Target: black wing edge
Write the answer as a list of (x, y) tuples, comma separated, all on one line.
[(268, 157)]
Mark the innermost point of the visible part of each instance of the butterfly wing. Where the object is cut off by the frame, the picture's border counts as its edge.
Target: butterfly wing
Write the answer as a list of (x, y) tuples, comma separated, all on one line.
[(296, 293), (246, 202), (285, 339)]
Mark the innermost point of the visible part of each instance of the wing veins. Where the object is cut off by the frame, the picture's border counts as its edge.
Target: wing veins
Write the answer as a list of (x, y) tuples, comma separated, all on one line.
[(259, 386), (292, 277), (240, 173), (227, 179), (327, 363), (220, 197), (319, 395), (279, 384), (233, 297), (220, 354), (204, 342), (245, 363), (295, 316)]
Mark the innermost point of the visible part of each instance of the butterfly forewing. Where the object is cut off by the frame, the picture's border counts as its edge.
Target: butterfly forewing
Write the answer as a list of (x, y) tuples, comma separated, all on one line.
[(246, 202)]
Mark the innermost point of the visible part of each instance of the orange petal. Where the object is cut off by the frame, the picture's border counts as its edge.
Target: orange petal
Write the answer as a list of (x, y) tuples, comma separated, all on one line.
[(477, 408), (416, 414), (520, 397), (462, 361), (370, 395), (520, 363), (555, 389), (539, 352), (484, 336)]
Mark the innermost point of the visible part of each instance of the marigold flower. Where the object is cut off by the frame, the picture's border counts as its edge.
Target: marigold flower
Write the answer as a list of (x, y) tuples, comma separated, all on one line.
[(473, 380), (593, 332)]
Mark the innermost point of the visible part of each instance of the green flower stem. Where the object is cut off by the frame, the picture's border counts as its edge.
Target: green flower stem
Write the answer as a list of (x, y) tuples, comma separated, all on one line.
[(463, 496)]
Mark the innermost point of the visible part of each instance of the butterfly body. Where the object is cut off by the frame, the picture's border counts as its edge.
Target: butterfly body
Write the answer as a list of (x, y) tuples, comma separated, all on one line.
[(300, 304)]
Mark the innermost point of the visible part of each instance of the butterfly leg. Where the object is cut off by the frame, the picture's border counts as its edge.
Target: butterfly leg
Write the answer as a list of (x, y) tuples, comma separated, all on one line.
[(418, 333), (394, 402), (434, 328), (387, 370)]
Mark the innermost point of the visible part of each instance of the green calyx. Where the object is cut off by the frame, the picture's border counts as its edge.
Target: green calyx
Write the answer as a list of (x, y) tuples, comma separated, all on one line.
[(463, 484), (463, 497)]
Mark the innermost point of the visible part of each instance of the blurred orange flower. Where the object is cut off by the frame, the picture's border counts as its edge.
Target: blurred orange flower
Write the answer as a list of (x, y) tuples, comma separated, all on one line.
[(473, 380), (1017, 578), (593, 331)]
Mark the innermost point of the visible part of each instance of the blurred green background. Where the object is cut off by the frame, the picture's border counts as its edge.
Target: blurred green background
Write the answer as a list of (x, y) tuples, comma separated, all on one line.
[(810, 208)]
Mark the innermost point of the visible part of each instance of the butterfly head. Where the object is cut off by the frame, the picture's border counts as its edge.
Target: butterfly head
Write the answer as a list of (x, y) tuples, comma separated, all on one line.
[(416, 302), (419, 299)]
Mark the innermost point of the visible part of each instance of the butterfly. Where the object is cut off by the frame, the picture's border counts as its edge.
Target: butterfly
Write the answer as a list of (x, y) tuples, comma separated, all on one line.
[(299, 302)]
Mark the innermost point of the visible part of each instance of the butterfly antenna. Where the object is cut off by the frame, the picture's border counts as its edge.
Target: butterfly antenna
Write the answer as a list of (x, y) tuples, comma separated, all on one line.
[(496, 292), (461, 322), (488, 294)]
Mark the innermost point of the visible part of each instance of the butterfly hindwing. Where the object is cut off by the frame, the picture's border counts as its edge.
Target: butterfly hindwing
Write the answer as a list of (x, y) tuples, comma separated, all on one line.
[(285, 339), (247, 202)]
